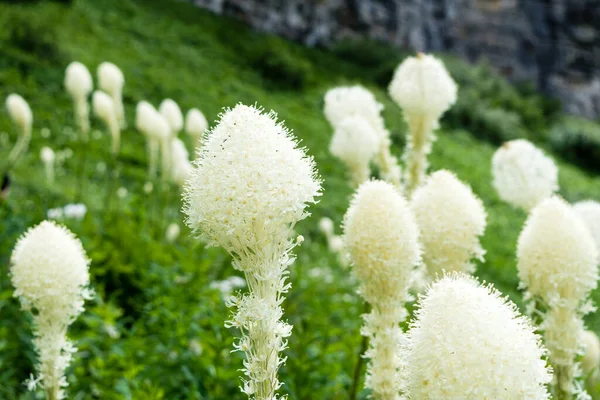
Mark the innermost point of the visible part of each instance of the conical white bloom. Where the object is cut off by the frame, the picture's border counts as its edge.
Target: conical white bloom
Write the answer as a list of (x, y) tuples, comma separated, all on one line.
[(523, 175), (591, 357), (111, 80), (47, 157), (181, 162), (249, 187), (557, 265), (422, 87), (172, 232), (467, 342), (79, 84), (49, 271), (451, 220), (424, 90), (355, 143), (144, 117), (326, 226), (171, 111), (104, 109), (195, 125), (381, 237), (21, 115), (151, 124), (589, 212), (557, 255), (348, 101)]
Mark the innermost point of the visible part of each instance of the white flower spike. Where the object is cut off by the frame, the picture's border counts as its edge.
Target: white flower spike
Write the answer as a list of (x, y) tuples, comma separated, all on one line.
[(49, 270), (381, 237), (104, 109), (451, 220), (111, 80), (523, 175), (79, 84), (250, 185), (468, 342), (21, 115)]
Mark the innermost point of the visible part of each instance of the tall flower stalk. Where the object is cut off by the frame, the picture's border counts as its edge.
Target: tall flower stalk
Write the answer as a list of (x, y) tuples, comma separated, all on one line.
[(424, 90), (249, 187), (49, 271), (557, 264), (22, 117), (381, 237), (78, 83)]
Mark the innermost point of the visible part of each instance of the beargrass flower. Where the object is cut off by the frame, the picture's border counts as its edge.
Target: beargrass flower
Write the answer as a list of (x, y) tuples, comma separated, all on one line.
[(348, 101), (424, 90), (355, 143), (557, 265), (591, 355), (104, 109), (171, 111), (451, 220), (22, 117), (195, 125), (111, 81), (468, 342), (47, 157), (523, 174), (49, 271), (79, 85), (381, 237), (250, 185)]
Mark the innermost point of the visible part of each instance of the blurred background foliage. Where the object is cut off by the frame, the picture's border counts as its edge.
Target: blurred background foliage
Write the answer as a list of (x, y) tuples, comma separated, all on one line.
[(155, 329)]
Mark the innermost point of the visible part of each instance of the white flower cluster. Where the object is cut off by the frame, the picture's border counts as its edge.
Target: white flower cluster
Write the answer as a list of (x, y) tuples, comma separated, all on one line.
[(557, 264), (355, 143), (21, 115), (424, 90), (49, 271), (357, 102), (589, 212), (467, 342), (172, 232), (79, 84), (381, 237), (104, 108), (451, 220), (75, 211), (249, 187), (195, 125), (523, 175), (111, 81), (47, 156)]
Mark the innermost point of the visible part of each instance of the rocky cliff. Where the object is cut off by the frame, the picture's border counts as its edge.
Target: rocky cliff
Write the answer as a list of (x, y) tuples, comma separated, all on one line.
[(555, 43)]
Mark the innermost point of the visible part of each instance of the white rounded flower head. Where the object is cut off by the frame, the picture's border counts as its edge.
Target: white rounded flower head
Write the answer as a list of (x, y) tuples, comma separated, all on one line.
[(103, 106), (326, 226), (110, 78), (451, 220), (589, 212), (78, 80), (354, 141), (47, 155), (172, 232), (179, 151), (468, 342), (171, 111), (381, 237), (522, 175), (557, 255), (591, 356), (195, 124), (422, 87), (345, 101), (250, 183), (19, 112), (49, 271), (145, 115)]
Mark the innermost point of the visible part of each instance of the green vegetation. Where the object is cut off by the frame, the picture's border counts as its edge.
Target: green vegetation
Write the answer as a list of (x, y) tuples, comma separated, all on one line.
[(155, 330)]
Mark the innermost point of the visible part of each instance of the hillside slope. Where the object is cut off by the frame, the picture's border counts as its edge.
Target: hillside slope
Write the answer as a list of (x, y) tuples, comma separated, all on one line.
[(156, 328)]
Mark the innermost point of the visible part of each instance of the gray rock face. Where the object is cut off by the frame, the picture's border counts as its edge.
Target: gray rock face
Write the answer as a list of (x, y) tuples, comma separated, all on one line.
[(555, 43)]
